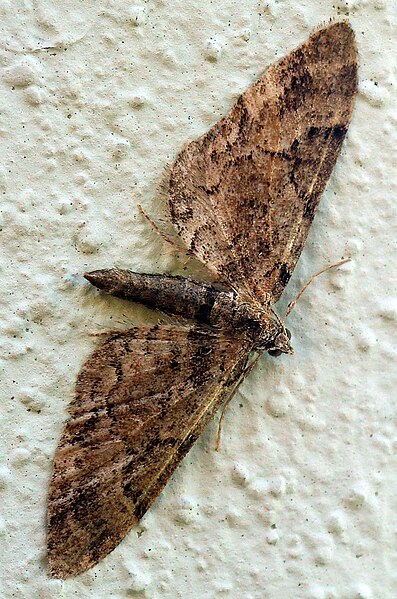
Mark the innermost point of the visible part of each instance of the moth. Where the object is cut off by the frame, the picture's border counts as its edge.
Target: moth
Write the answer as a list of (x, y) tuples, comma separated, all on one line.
[(242, 198)]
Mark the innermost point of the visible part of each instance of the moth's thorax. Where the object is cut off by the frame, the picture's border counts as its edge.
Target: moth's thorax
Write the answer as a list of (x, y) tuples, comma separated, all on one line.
[(258, 323)]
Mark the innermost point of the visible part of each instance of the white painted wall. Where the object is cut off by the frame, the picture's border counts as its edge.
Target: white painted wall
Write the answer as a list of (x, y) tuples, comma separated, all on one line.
[(95, 99)]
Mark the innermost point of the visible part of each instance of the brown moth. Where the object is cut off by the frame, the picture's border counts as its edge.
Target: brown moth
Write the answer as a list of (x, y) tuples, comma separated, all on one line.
[(242, 198)]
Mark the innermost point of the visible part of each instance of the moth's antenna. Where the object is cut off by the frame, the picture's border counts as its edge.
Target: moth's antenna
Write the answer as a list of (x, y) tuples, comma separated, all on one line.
[(292, 303)]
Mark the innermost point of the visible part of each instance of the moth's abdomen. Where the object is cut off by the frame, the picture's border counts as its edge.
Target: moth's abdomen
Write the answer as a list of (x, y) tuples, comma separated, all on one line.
[(171, 294)]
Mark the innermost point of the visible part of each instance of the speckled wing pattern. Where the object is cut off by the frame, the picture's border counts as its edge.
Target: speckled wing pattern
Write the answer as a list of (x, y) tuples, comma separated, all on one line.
[(243, 196), (142, 399)]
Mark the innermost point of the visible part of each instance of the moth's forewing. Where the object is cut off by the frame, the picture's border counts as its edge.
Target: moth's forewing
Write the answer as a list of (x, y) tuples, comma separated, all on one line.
[(243, 196), (142, 399)]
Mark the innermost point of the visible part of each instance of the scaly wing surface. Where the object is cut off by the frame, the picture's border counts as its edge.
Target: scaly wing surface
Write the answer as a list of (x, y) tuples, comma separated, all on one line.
[(142, 399), (243, 196)]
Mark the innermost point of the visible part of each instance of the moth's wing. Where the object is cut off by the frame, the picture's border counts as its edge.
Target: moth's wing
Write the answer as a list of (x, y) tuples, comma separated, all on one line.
[(142, 399), (243, 196)]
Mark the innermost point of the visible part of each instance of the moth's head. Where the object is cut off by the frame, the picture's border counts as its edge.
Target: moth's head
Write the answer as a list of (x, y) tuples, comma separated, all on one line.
[(281, 344), (275, 337)]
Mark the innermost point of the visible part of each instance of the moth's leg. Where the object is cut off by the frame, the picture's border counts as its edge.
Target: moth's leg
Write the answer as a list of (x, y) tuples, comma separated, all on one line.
[(177, 248), (292, 303), (245, 373)]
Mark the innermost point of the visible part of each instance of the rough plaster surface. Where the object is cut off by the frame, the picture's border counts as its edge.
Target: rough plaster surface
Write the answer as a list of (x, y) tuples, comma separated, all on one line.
[(95, 99)]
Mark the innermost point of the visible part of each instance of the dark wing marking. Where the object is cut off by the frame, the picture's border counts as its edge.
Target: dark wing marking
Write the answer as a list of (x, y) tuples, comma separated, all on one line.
[(142, 399), (243, 196)]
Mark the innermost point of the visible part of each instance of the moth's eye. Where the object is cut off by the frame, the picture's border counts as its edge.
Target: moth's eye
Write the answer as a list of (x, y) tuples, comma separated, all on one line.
[(275, 352), (288, 333)]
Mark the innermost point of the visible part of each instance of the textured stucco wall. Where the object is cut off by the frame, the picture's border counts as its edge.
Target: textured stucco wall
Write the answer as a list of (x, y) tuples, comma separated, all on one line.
[(95, 99)]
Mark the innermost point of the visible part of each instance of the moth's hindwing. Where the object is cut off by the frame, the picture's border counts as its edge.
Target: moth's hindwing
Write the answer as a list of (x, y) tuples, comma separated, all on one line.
[(243, 196), (142, 399)]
